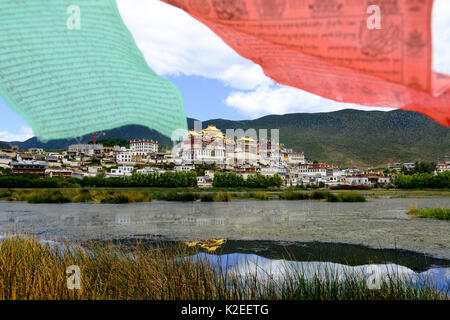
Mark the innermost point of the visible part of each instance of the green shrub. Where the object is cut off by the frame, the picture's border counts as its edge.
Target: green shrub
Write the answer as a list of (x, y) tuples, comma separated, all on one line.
[(294, 195), (182, 196), (116, 199), (259, 195), (187, 196), (351, 197), (331, 197), (160, 195), (319, 195), (171, 195), (207, 197), (5, 193)]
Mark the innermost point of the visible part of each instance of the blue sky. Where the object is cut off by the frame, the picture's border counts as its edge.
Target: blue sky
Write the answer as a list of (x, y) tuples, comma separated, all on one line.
[(214, 80)]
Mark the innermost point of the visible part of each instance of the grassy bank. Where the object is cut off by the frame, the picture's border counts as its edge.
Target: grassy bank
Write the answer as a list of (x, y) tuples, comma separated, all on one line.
[(119, 196), (132, 195), (431, 213), (323, 195), (32, 270)]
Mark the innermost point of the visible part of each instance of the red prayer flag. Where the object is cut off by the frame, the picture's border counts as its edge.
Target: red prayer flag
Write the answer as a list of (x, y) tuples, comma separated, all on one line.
[(335, 49)]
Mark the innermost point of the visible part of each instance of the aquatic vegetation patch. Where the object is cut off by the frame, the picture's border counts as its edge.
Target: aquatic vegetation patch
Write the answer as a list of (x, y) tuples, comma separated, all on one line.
[(294, 195), (117, 199), (181, 196), (48, 196), (322, 195), (84, 195), (319, 195), (431, 213), (259, 195), (207, 197), (223, 197), (351, 197)]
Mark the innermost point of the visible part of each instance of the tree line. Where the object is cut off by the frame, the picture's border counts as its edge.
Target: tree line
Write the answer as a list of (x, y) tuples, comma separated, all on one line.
[(163, 180), (233, 180), (189, 179), (422, 180)]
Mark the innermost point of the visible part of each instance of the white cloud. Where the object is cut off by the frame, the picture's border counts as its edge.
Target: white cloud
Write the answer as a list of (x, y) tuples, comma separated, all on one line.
[(175, 43), (282, 99), (245, 77), (25, 133), (441, 36)]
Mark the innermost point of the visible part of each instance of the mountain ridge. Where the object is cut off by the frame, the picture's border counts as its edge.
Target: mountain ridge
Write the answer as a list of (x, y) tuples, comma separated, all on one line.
[(346, 137)]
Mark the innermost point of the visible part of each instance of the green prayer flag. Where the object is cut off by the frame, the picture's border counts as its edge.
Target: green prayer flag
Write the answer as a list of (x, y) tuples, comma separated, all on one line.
[(71, 67)]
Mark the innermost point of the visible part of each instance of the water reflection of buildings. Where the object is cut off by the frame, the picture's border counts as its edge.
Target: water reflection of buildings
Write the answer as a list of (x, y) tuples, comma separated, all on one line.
[(128, 219), (123, 219), (189, 220)]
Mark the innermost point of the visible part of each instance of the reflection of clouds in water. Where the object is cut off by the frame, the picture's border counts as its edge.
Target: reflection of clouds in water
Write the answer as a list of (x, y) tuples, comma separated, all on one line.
[(250, 265)]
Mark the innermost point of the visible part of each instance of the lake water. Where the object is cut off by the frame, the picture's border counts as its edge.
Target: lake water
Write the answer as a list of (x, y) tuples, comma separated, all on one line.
[(381, 223), (353, 235)]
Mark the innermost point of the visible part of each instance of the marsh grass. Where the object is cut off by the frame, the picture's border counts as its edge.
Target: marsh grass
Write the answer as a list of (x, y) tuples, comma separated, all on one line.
[(117, 199), (332, 197), (5, 193), (48, 196), (84, 195), (111, 195), (259, 195), (432, 213), (319, 195), (222, 197), (241, 195), (181, 196), (294, 195), (79, 195), (30, 270), (323, 195), (350, 197)]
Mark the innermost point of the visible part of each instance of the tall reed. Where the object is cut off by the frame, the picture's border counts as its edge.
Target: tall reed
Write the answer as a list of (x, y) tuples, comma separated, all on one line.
[(30, 269)]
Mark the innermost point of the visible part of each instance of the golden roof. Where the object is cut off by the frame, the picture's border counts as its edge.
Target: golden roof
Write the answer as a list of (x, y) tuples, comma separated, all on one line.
[(193, 133), (210, 128)]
